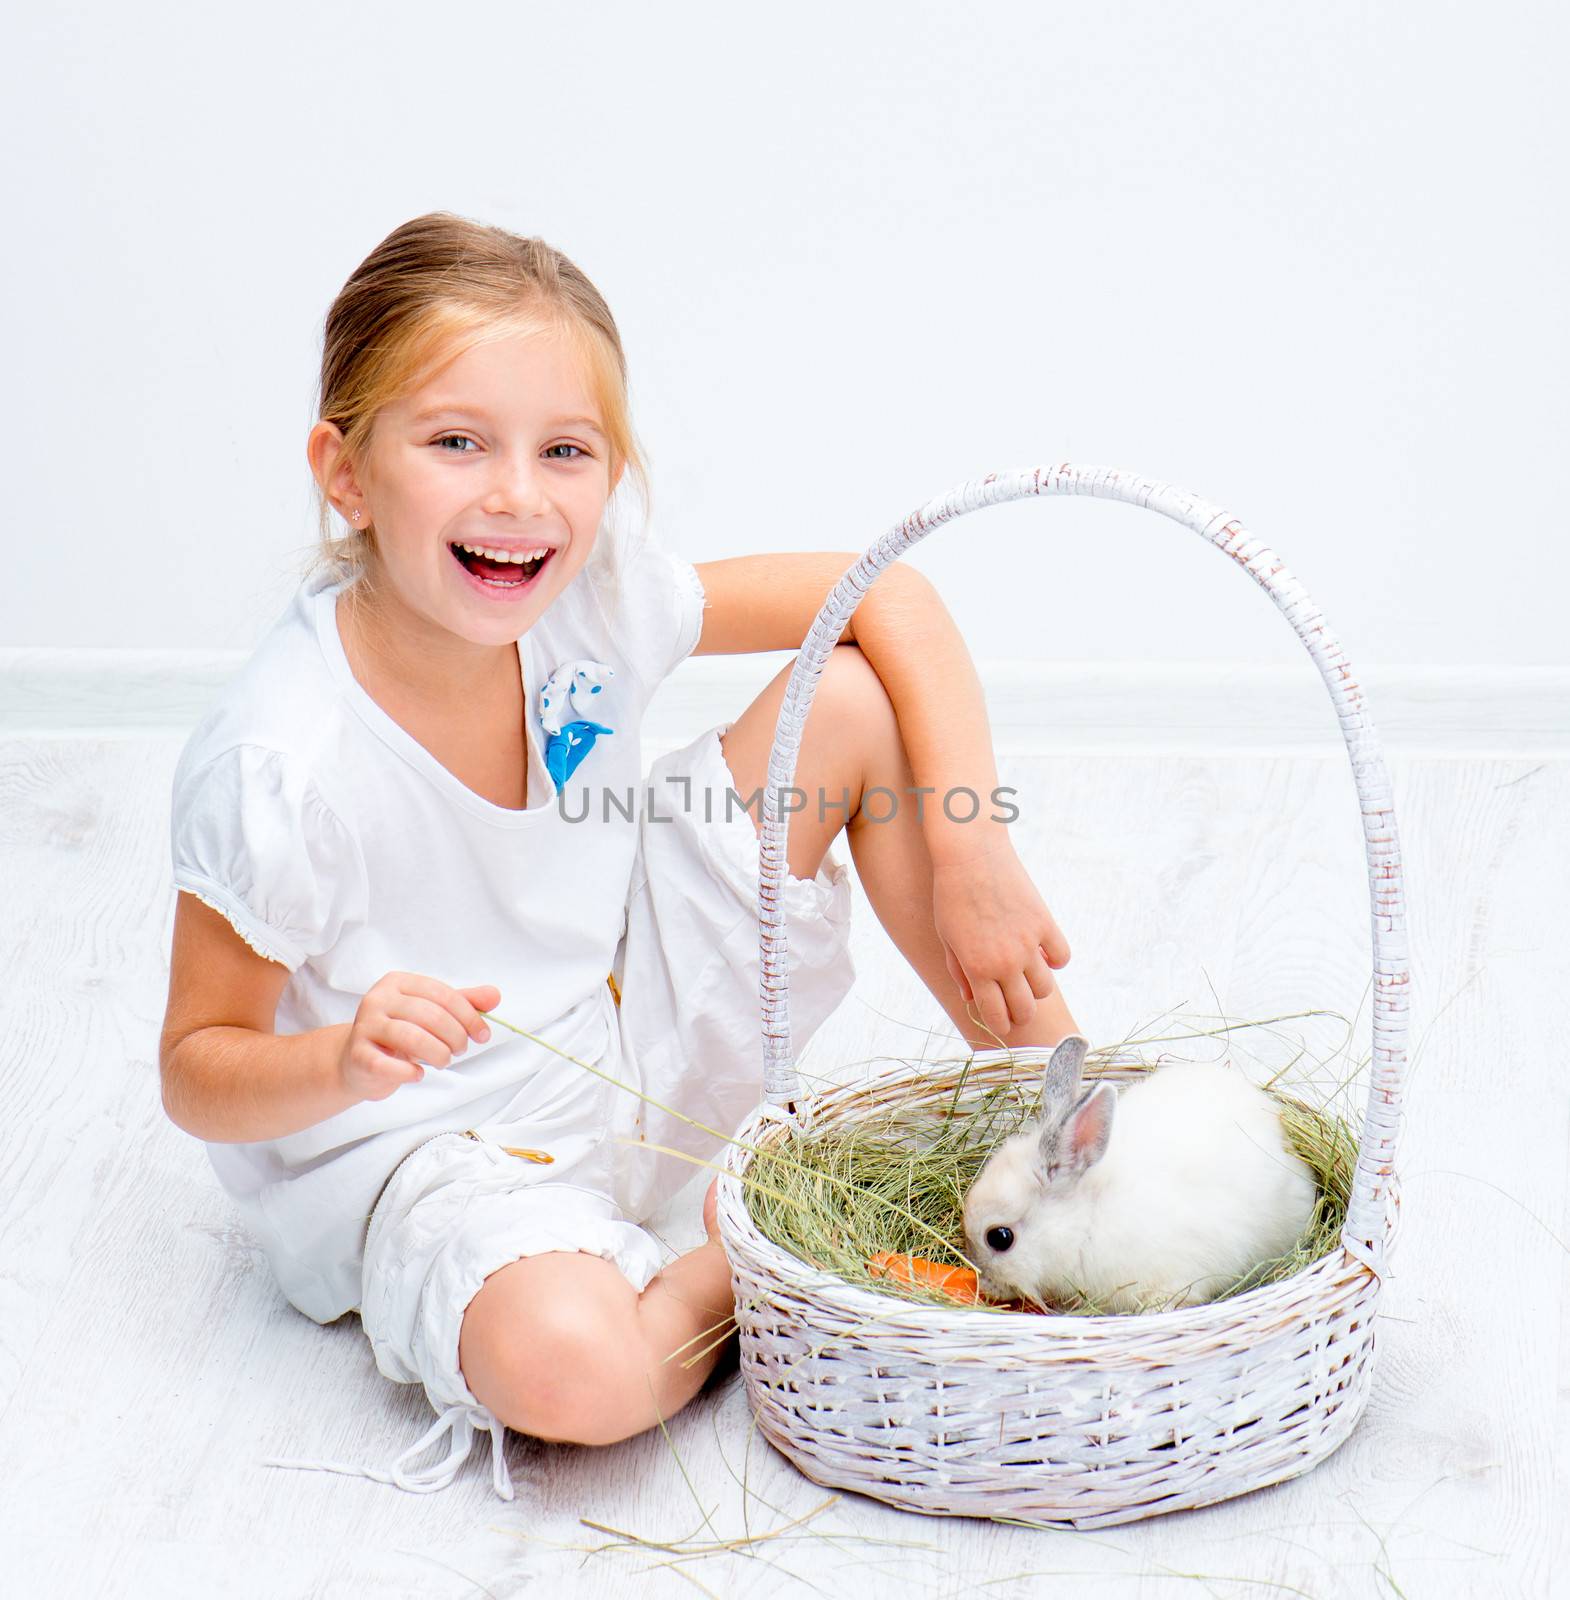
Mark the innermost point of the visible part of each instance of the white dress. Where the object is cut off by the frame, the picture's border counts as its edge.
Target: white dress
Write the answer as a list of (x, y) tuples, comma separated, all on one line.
[(337, 845)]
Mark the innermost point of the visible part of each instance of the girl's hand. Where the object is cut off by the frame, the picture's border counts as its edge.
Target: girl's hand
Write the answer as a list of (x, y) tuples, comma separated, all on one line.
[(999, 939), (405, 1019)]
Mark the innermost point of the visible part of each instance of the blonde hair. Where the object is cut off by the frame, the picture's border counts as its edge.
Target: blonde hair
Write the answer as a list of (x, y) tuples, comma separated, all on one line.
[(433, 288)]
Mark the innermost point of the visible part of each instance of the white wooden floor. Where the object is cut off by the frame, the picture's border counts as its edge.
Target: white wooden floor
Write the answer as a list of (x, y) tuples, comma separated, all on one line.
[(147, 1362)]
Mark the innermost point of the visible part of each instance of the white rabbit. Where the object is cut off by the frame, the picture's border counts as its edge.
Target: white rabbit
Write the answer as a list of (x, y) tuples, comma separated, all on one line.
[(1163, 1195)]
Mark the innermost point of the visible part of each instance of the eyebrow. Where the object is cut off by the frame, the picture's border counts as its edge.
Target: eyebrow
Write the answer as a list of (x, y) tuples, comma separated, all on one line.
[(430, 413)]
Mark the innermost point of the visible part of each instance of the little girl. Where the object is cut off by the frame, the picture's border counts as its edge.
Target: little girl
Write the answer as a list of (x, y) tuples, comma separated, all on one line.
[(421, 801)]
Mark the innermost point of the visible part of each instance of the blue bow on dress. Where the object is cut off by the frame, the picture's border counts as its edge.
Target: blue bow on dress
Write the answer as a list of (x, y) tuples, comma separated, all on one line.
[(567, 694)]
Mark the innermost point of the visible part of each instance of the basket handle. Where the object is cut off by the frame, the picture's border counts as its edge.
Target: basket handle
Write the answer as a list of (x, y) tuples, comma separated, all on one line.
[(1370, 1215)]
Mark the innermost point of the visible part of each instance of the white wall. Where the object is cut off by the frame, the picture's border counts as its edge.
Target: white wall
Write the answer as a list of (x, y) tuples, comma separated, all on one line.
[(1304, 260)]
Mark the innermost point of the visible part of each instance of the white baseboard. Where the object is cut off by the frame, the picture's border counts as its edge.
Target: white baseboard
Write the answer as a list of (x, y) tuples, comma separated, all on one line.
[(1032, 706)]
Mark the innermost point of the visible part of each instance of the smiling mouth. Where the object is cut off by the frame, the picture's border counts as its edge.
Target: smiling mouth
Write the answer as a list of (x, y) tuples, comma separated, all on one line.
[(499, 574)]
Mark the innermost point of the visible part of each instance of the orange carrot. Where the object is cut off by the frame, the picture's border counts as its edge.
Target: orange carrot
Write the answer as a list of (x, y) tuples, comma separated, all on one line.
[(958, 1283)]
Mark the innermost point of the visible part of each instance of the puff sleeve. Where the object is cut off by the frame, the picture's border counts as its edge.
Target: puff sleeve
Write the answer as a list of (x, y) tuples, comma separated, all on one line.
[(251, 837), (661, 611)]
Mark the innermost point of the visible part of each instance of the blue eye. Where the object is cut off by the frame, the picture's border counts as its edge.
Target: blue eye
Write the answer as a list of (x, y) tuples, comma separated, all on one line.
[(451, 438)]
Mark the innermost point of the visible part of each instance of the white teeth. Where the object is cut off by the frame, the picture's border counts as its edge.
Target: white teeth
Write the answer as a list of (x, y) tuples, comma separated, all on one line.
[(517, 557)]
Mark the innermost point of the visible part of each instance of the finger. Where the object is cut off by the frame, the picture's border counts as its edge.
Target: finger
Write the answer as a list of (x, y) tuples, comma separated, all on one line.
[(428, 988), (384, 1063), (413, 1043), (1039, 976), (466, 1005), (992, 1007), (957, 973), (471, 1002), (433, 1017), (1020, 1001)]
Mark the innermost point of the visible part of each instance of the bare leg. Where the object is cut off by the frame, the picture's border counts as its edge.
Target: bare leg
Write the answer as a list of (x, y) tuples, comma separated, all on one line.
[(852, 743), (559, 1345), (685, 1314)]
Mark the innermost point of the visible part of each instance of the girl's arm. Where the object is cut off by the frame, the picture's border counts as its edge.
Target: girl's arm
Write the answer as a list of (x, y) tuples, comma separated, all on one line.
[(998, 936), (904, 630), (227, 1077)]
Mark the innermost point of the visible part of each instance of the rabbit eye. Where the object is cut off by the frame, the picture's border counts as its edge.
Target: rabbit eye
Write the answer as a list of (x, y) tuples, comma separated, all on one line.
[(1000, 1239)]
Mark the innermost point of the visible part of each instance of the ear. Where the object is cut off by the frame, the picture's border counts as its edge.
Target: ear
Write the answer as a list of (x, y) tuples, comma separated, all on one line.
[(1060, 1082), (329, 464), (1079, 1140)]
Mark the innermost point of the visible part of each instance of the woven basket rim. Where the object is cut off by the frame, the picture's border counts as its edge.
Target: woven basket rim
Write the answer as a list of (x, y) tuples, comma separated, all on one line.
[(741, 1233)]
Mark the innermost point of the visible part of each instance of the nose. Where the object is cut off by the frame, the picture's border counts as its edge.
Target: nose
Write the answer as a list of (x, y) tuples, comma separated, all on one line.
[(517, 487)]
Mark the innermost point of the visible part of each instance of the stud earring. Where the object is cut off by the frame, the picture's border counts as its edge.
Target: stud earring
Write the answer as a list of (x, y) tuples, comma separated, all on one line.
[(356, 516)]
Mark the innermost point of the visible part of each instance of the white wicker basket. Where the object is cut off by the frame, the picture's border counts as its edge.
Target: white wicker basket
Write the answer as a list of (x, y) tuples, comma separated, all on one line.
[(1069, 1421)]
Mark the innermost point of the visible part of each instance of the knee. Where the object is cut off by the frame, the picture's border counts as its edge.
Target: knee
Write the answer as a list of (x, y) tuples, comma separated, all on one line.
[(573, 1384), (851, 692)]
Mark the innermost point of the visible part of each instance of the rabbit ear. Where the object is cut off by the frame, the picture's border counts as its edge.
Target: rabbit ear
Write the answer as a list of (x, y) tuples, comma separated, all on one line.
[(1079, 1140), (1060, 1082)]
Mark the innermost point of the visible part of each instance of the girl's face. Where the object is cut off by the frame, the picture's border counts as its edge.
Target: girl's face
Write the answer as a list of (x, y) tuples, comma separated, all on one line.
[(500, 451)]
